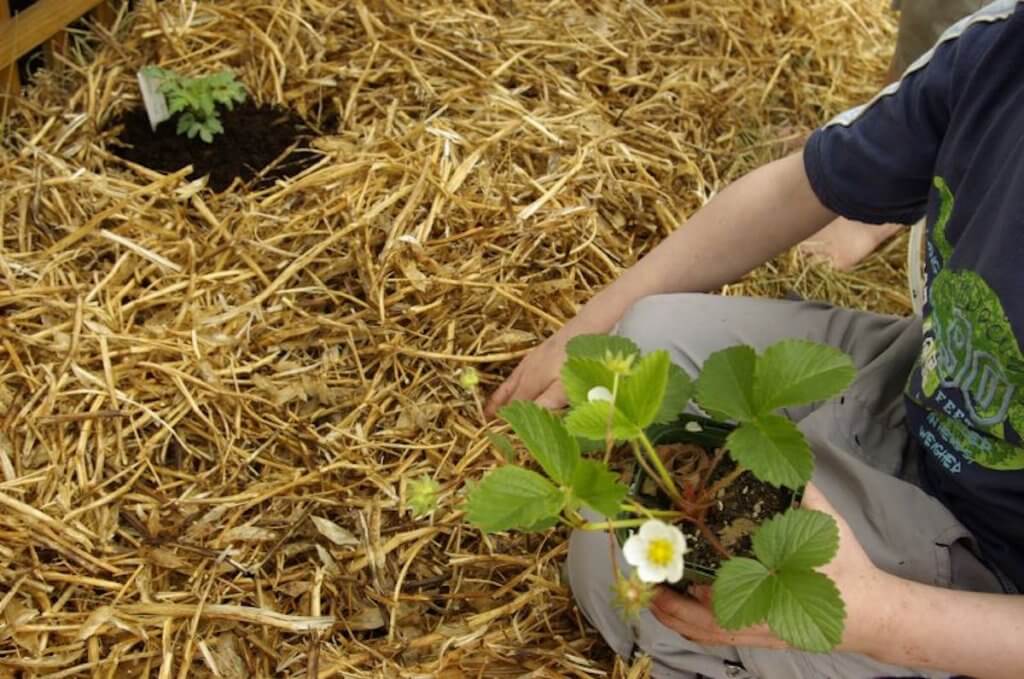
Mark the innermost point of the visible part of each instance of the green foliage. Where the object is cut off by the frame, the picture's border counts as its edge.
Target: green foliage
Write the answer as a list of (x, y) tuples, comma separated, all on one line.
[(799, 539), (511, 497), (600, 346), (596, 486), (503, 446), (737, 384), (678, 392), (643, 390), (581, 374), (802, 606), (798, 372), (633, 393), (773, 449), (516, 498), (725, 387), (592, 420), (197, 100), (546, 438)]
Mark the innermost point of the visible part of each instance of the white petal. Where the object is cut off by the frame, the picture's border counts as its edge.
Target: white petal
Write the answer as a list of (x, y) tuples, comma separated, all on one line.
[(650, 573), (653, 530), (634, 550), (599, 394), (674, 571), (679, 541)]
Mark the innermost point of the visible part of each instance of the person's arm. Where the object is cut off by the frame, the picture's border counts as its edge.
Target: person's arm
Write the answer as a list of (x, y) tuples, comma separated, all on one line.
[(752, 220), (890, 619), (966, 633)]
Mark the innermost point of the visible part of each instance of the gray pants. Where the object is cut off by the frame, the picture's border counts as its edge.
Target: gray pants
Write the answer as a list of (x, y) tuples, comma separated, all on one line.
[(863, 465)]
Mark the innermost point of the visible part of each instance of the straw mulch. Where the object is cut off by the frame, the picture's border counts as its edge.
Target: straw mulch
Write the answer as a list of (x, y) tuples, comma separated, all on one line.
[(212, 404)]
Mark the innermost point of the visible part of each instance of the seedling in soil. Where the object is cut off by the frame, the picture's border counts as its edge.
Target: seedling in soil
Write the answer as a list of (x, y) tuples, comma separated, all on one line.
[(195, 100), (764, 567)]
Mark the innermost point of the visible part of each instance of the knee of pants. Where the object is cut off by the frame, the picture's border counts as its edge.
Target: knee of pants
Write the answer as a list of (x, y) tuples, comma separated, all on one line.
[(589, 570), (678, 323)]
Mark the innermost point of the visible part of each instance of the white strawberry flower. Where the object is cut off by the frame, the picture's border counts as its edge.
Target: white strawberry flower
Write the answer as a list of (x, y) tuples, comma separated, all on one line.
[(599, 394), (656, 552)]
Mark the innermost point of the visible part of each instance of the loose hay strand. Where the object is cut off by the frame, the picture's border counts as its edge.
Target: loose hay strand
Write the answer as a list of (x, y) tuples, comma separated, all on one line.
[(190, 378)]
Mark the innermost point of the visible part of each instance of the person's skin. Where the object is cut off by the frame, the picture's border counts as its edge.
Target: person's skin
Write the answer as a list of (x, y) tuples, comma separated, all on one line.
[(844, 242), (751, 221), (888, 618)]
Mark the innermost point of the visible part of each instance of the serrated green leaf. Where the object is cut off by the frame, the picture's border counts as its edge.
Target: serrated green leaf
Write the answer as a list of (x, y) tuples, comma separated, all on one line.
[(545, 437), (641, 392), (807, 611), (513, 498), (774, 450), (184, 124), (590, 420), (678, 392), (542, 525), (798, 372), (742, 593), (206, 135), (798, 539), (206, 103), (503, 445), (176, 104), (598, 487), (590, 445), (580, 375), (597, 346), (725, 386), (214, 125)]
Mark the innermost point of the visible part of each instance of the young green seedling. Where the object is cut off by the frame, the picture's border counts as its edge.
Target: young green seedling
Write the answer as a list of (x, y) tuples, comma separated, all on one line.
[(196, 100)]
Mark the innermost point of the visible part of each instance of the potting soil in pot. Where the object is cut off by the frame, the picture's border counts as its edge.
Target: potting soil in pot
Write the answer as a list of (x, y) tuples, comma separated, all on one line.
[(738, 510)]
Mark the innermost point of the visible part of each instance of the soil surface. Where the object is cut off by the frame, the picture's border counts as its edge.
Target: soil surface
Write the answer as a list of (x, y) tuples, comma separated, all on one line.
[(254, 137), (739, 508)]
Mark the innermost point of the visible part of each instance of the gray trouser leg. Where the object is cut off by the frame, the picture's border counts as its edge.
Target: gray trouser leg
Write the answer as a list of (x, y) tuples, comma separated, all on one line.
[(859, 441)]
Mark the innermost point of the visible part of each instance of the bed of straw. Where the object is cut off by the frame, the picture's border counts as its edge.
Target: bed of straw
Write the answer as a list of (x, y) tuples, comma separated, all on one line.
[(213, 403)]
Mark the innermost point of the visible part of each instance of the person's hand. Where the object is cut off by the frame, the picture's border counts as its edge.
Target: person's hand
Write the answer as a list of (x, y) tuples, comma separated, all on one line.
[(859, 581), (536, 378)]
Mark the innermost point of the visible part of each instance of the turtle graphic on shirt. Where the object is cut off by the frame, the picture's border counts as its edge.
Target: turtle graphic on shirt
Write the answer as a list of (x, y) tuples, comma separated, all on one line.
[(970, 349)]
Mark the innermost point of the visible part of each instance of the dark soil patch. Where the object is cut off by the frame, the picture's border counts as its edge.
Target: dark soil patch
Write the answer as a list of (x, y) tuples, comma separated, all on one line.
[(254, 137), (738, 508)]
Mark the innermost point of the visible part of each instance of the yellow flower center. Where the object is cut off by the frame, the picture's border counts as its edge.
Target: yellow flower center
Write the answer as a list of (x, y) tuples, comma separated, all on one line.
[(659, 552)]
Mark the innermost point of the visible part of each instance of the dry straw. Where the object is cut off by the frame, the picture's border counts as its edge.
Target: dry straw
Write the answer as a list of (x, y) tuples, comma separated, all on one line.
[(212, 404)]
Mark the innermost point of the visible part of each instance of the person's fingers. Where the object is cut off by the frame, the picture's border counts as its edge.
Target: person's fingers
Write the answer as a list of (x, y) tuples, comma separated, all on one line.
[(695, 620), (503, 394), (702, 593), (553, 397), (671, 602)]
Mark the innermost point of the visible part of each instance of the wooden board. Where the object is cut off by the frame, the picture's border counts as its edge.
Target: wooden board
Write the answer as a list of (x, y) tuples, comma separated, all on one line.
[(10, 83), (38, 24)]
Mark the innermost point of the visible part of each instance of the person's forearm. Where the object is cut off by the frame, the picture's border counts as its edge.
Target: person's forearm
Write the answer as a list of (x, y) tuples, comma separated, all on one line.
[(752, 220), (969, 633)]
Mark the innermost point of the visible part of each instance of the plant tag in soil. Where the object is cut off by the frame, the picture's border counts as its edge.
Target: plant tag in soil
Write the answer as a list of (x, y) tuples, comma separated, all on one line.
[(153, 99)]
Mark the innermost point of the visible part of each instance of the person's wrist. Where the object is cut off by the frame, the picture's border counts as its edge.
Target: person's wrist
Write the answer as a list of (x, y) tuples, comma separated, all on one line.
[(872, 619)]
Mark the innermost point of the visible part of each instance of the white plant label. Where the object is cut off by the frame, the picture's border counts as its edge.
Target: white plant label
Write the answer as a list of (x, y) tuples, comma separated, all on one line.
[(153, 99)]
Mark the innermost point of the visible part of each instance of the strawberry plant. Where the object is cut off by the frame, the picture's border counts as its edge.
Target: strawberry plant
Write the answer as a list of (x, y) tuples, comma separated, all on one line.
[(616, 396)]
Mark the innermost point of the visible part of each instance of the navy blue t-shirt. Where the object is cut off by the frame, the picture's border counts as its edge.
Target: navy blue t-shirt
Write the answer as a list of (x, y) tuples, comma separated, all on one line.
[(947, 142)]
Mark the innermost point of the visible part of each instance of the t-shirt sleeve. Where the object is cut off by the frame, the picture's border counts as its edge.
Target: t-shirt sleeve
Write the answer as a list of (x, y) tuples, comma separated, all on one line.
[(875, 163)]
